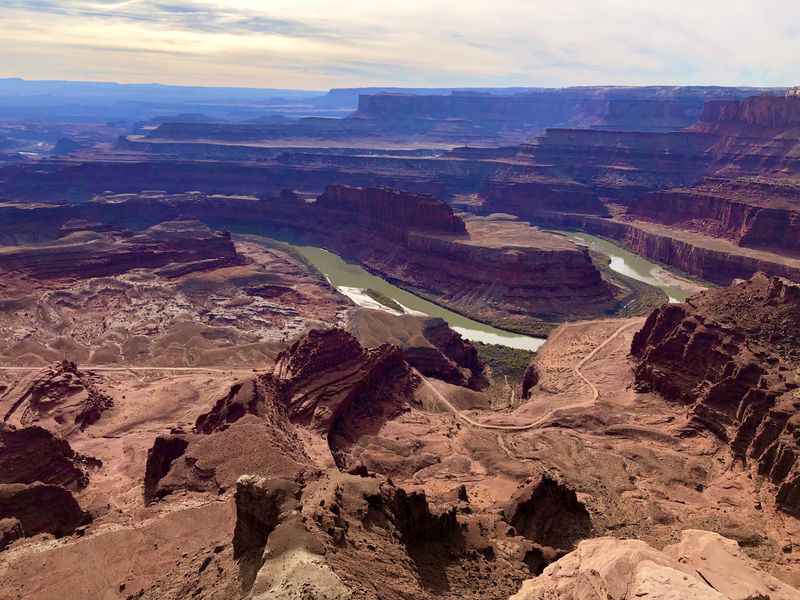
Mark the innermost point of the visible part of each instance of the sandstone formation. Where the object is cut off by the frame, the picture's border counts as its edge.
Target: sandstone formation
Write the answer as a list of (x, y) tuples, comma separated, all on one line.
[(423, 246), (41, 508), (459, 354), (34, 454), (730, 355), (388, 211), (429, 345), (38, 475), (62, 396), (268, 440), (548, 513), (88, 254), (183, 314), (530, 198), (326, 382), (10, 531), (708, 258), (501, 271), (339, 536), (702, 566), (750, 213)]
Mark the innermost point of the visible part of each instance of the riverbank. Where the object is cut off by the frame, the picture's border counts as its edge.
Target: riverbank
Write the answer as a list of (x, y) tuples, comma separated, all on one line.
[(354, 281), (630, 265)]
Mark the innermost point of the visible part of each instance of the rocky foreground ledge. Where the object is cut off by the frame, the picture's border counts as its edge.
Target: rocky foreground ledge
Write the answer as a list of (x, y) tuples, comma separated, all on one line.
[(702, 566)]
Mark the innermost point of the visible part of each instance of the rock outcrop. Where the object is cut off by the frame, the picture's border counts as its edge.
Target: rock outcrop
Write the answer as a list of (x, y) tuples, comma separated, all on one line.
[(702, 566), (62, 398), (766, 111), (413, 239), (10, 531), (548, 513), (34, 454), (460, 356), (429, 345), (325, 382), (40, 508), (754, 214), (530, 198), (695, 254), (333, 535), (327, 377), (388, 211), (177, 247), (731, 356), (503, 271)]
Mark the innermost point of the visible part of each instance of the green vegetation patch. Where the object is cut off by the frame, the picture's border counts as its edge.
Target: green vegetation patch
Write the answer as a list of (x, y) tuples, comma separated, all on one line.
[(504, 361)]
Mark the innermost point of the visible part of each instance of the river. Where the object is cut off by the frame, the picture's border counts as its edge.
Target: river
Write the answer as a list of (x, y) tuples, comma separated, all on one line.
[(636, 267), (353, 281)]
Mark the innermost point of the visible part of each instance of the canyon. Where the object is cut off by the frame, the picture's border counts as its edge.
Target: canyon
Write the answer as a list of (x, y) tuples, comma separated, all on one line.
[(186, 394), (414, 240)]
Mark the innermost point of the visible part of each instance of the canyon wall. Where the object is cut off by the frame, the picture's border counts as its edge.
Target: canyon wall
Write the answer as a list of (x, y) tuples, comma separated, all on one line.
[(388, 210), (737, 218), (623, 164), (529, 198), (758, 135), (717, 266), (768, 111), (177, 246), (730, 355), (496, 270)]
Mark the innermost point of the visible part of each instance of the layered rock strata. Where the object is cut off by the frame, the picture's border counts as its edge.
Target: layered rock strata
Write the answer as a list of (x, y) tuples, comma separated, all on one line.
[(179, 247), (530, 198), (62, 397), (731, 356), (429, 345), (326, 382), (34, 454), (390, 211), (710, 259), (337, 535)]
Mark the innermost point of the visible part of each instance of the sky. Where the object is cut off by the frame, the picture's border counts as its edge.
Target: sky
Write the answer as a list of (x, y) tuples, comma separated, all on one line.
[(319, 44)]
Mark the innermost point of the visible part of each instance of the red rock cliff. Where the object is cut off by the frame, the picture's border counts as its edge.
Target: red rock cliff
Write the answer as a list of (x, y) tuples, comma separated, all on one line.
[(389, 210), (731, 355), (529, 198), (772, 112)]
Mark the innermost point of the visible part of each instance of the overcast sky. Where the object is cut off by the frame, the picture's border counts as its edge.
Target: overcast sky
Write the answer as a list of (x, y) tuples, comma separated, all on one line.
[(318, 44)]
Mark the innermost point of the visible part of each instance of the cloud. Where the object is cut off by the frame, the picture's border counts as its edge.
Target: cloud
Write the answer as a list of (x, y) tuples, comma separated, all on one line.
[(190, 15), (322, 43)]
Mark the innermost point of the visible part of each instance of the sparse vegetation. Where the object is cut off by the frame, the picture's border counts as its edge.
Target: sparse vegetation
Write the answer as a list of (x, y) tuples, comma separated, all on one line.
[(504, 361)]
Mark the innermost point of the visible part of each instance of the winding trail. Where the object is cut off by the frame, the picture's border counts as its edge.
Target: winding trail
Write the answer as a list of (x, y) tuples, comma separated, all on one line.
[(170, 369), (439, 396), (538, 422)]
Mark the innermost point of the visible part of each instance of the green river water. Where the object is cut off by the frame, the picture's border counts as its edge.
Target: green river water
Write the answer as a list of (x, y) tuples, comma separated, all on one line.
[(634, 266), (352, 280)]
